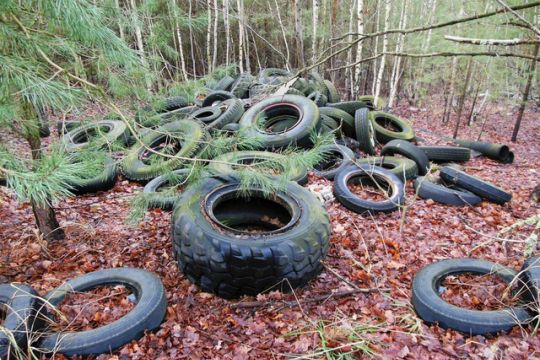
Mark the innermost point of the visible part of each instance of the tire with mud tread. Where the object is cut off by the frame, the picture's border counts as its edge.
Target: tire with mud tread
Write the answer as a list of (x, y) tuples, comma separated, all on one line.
[(475, 185), (331, 91), (338, 157), (449, 195), (365, 134), (403, 168), (342, 117), (319, 99), (369, 100), (105, 132), (401, 129), (446, 153), (240, 87), (148, 313), (21, 321), (156, 199), (431, 308), (373, 175), (529, 283), (103, 181), (349, 107), (224, 84), (408, 150), (217, 97), (221, 258)]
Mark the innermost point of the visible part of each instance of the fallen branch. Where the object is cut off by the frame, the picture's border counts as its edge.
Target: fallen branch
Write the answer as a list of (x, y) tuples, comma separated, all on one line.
[(443, 54), (499, 42), (338, 294), (513, 11)]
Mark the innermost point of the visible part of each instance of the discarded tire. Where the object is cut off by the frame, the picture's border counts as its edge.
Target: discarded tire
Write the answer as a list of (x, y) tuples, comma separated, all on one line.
[(389, 127), (376, 176), (331, 91), (446, 153), (103, 181), (408, 150), (206, 114), (224, 84), (183, 139), (240, 86), (147, 314), (319, 99), (432, 309), (338, 157), (350, 107), (21, 321), (223, 164), (369, 100), (529, 284), (449, 195), (273, 76), (260, 118), (231, 112), (497, 152), (156, 198), (233, 245), (403, 168), (475, 185), (365, 134), (100, 134), (344, 119), (216, 97)]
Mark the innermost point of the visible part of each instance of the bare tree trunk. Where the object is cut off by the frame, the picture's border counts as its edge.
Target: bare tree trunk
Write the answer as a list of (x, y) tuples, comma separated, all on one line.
[(473, 106), (191, 40), (375, 47), (299, 36), (209, 35), (138, 32), (241, 33), (216, 23), (349, 74), (335, 7), (448, 102), (532, 68), (283, 33), (378, 81), (227, 24), (360, 30), (246, 44), (394, 80), (120, 27), (179, 39), (463, 95), (315, 24)]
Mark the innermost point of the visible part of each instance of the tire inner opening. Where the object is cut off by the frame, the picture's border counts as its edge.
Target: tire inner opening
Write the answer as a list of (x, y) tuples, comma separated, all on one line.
[(388, 124), (88, 134), (333, 161), (102, 305), (370, 187), (279, 118), (477, 291), (204, 114), (253, 215)]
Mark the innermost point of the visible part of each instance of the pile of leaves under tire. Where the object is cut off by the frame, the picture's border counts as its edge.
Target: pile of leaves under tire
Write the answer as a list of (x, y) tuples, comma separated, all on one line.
[(232, 242)]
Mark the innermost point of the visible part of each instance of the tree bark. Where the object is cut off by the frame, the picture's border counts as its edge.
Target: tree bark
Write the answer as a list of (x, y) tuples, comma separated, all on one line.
[(394, 80), (463, 96), (179, 39), (209, 35), (216, 23), (191, 40), (359, 29), (378, 81), (315, 24), (299, 36), (532, 68), (227, 24), (284, 34), (241, 32)]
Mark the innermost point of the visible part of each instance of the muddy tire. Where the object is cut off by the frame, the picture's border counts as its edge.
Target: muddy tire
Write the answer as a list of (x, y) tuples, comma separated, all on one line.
[(431, 308), (343, 118), (159, 200), (403, 168), (240, 87), (338, 157), (217, 97), (103, 181), (230, 262), (319, 99), (369, 100), (365, 134), (350, 107), (331, 91), (449, 195), (446, 153), (105, 131), (408, 150), (529, 283), (224, 84), (400, 129)]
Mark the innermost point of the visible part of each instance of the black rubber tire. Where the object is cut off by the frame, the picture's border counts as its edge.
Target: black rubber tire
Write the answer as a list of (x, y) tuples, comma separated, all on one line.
[(178, 114), (299, 175), (192, 137), (446, 153), (365, 134), (475, 185), (273, 76), (23, 307), (115, 131), (384, 135), (162, 106), (369, 100), (343, 118), (207, 114), (102, 182), (403, 168), (433, 309), (329, 122), (232, 111), (351, 201), (224, 84), (147, 314), (410, 151), (217, 97), (496, 152), (341, 157), (200, 95), (240, 87), (305, 111), (427, 189), (231, 263), (529, 284), (62, 127), (319, 99), (231, 127), (331, 91), (349, 107), (293, 91), (158, 200)]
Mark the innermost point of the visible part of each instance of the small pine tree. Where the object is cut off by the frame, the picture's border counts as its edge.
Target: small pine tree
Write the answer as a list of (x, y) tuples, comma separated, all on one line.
[(49, 51)]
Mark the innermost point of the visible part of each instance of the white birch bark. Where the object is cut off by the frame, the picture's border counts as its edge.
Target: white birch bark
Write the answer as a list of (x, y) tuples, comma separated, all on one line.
[(380, 74)]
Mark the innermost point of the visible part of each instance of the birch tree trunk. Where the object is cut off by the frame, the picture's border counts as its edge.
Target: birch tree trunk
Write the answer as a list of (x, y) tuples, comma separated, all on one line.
[(299, 36), (378, 81), (396, 69), (532, 68), (138, 31), (179, 39), (191, 41), (209, 36), (349, 74), (448, 103), (240, 6), (375, 48), (360, 30), (463, 95), (227, 25), (432, 5), (315, 24), (216, 23), (284, 34), (120, 27)]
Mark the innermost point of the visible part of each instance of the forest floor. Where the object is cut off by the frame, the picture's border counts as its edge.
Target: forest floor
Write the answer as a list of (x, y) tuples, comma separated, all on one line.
[(365, 252)]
